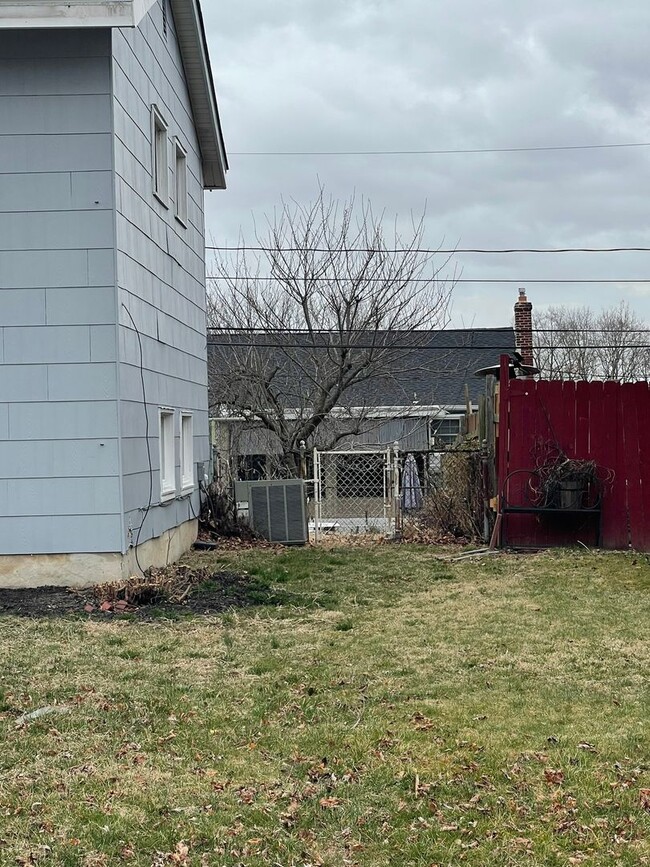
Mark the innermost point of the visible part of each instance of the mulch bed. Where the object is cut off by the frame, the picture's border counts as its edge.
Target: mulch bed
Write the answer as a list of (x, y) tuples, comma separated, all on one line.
[(222, 592)]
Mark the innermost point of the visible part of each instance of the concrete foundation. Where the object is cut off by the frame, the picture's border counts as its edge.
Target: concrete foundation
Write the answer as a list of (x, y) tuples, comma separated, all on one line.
[(82, 570)]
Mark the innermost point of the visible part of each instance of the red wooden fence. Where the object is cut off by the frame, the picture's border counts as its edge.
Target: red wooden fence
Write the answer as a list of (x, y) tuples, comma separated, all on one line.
[(608, 422)]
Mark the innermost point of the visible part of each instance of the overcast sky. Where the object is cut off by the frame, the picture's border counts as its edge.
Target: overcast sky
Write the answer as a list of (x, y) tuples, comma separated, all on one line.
[(314, 75)]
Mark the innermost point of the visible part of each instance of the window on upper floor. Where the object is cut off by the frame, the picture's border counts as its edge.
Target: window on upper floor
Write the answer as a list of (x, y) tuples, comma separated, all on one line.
[(167, 462), (180, 182), (159, 156), (165, 15)]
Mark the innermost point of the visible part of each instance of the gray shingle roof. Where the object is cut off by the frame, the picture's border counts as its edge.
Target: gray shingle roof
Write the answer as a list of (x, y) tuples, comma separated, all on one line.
[(436, 372)]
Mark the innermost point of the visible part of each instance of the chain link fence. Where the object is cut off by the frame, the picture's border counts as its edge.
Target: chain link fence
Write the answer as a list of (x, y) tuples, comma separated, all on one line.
[(355, 492), (442, 493)]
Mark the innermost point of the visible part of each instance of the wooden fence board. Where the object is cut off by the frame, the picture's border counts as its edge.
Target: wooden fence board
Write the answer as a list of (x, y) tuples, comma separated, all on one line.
[(630, 461), (582, 445), (615, 527), (599, 426), (641, 534)]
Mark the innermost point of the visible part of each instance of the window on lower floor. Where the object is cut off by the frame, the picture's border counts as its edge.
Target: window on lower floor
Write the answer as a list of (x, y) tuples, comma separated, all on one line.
[(167, 463), (187, 451)]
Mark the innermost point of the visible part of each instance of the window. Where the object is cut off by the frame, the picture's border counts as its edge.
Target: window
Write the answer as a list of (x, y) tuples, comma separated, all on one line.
[(187, 452), (167, 463), (445, 432), (180, 182), (164, 16), (160, 167)]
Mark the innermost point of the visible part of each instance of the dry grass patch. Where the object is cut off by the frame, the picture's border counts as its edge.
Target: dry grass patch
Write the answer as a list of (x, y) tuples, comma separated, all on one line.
[(393, 711)]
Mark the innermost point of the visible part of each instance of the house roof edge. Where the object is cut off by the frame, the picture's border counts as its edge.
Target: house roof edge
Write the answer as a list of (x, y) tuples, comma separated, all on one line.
[(190, 30)]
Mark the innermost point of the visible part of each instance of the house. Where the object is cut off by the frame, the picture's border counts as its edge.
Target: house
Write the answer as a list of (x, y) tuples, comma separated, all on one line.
[(109, 135), (419, 406)]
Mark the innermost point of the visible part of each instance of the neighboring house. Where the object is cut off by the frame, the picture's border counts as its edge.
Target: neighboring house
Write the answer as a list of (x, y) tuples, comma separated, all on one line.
[(109, 134), (420, 409)]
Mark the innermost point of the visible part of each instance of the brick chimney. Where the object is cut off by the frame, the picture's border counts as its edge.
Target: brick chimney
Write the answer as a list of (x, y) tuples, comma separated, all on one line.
[(524, 328)]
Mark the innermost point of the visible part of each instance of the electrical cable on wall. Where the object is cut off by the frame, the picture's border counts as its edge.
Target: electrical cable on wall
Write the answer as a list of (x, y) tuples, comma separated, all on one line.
[(146, 418)]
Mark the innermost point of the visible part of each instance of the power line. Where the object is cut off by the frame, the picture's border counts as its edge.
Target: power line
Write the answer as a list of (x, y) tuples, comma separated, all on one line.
[(258, 329), (519, 282), (450, 151), (406, 347), (424, 251)]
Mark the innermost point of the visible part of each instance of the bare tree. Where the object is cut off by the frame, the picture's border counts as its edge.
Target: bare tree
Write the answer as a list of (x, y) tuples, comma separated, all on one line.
[(579, 343), (328, 311)]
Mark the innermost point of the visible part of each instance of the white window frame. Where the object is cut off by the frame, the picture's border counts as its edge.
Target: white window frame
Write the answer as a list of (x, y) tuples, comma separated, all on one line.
[(187, 452), (167, 439), (180, 183), (159, 156)]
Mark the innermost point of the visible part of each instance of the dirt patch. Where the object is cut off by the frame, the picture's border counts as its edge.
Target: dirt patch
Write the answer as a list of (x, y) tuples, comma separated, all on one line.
[(219, 592)]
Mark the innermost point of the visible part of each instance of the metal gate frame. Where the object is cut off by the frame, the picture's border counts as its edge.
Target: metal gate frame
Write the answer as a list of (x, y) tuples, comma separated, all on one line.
[(391, 486)]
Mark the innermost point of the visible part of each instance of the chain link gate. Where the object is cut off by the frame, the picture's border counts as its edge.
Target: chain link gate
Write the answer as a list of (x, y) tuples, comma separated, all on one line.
[(356, 492)]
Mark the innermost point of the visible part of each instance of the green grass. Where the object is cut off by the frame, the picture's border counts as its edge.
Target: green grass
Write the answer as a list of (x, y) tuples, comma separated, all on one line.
[(378, 707)]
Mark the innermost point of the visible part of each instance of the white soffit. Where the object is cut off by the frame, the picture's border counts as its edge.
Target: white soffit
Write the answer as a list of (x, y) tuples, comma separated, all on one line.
[(73, 13)]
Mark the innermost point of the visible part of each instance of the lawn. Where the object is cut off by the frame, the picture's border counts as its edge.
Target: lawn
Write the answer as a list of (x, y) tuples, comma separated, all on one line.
[(377, 707)]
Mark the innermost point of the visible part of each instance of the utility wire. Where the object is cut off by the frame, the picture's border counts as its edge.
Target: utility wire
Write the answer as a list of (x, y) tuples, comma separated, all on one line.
[(378, 346), (451, 251), (258, 329), (521, 282), (372, 153)]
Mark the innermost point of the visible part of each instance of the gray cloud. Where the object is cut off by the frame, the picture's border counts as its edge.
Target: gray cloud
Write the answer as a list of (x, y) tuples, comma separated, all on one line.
[(423, 74)]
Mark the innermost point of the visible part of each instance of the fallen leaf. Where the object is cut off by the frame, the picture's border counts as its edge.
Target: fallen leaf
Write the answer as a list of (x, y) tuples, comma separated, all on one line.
[(180, 855), (422, 723), (553, 777), (330, 803), (95, 859)]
